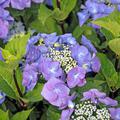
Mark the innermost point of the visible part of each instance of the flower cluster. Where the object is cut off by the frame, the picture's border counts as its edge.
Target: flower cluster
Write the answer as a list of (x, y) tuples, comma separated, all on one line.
[(56, 57), (89, 111), (90, 108), (5, 20), (94, 9), (19, 4)]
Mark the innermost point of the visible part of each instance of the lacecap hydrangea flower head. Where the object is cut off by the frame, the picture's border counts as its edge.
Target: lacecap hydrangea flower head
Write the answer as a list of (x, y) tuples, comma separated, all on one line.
[(62, 61), (95, 9), (22, 4), (94, 105), (60, 57), (18, 4)]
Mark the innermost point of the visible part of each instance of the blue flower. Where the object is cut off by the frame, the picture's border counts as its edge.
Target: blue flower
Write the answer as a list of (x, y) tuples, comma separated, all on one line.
[(2, 97), (30, 77)]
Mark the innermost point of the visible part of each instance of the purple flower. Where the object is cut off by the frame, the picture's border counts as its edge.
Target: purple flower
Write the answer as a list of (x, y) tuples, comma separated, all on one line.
[(5, 20), (48, 2), (94, 9), (115, 113), (95, 64), (115, 1), (67, 39), (30, 77), (108, 101), (1, 58), (98, 97), (2, 97), (85, 56), (51, 69), (3, 29), (82, 55), (66, 114), (20, 4), (4, 3), (76, 77), (38, 1), (88, 44), (33, 40), (50, 39), (83, 17), (5, 16), (119, 7), (93, 94), (33, 54), (56, 93)]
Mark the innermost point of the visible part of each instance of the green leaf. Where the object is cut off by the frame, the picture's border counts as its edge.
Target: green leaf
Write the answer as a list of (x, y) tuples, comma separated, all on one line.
[(44, 13), (7, 88), (8, 56), (108, 70), (17, 45), (78, 31), (49, 26), (111, 23), (21, 115), (19, 80), (7, 83), (6, 80), (66, 6), (108, 35), (44, 21), (4, 115), (115, 46), (53, 114), (35, 94), (90, 33)]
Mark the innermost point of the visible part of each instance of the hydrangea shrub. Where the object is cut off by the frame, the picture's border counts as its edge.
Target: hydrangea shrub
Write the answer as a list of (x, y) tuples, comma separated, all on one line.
[(59, 59)]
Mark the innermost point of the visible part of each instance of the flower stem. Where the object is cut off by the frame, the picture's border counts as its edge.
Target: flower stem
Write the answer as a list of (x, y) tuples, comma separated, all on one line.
[(16, 84), (22, 103)]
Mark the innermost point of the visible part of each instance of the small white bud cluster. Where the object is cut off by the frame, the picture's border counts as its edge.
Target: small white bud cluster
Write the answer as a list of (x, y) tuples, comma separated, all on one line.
[(87, 110), (64, 57), (103, 114)]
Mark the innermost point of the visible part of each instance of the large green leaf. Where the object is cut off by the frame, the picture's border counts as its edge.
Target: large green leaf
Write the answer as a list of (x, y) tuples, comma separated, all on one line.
[(49, 26), (111, 23), (7, 83), (4, 115), (21, 115), (17, 45), (108, 70), (115, 45), (35, 94), (44, 13), (6, 80)]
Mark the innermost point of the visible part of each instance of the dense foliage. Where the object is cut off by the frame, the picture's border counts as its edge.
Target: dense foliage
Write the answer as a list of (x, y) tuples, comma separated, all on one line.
[(60, 60)]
